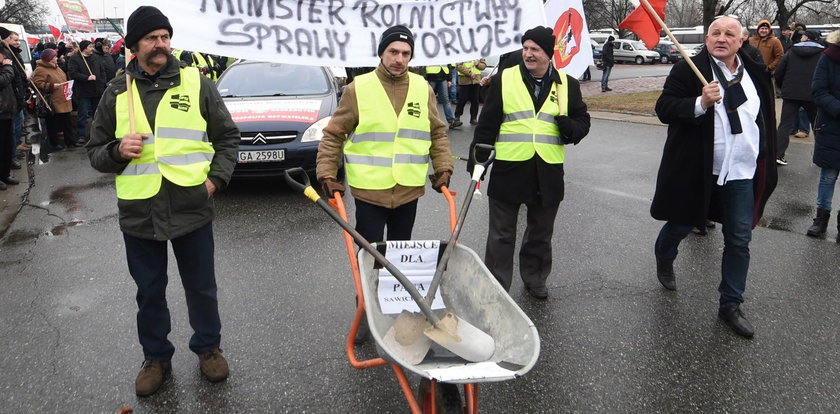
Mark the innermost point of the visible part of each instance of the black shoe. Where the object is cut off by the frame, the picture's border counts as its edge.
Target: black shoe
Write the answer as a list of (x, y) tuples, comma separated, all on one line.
[(455, 124), (608, 89), (15, 165), (10, 181), (736, 320), (81, 142), (665, 274), (3, 186), (539, 292)]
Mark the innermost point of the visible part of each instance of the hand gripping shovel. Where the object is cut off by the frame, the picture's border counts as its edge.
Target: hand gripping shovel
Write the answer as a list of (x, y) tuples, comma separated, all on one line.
[(452, 333)]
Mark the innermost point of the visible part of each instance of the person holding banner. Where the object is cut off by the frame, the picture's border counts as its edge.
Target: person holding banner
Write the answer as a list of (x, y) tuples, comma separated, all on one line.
[(89, 76), (718, 161), (50, 79), (172, 143), (531, 112)]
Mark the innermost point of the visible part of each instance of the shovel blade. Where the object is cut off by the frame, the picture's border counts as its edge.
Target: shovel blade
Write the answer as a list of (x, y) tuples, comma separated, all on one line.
[(462, 339), (405, 339)]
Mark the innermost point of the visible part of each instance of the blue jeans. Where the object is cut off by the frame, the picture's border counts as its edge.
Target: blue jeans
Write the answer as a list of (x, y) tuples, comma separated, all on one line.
[(453, 90), (440, 88), (17, 128), (87, 106), (605, 77), (825, 190), (802, 123), (736, 202), (147, 262)]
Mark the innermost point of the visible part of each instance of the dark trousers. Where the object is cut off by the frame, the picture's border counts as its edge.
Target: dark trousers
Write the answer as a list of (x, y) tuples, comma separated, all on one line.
[(371, 221), (5, 147), (147, 265), (60, 123), (535, 253), (736, 201), (87, 106), (788, 118), (467, 93)]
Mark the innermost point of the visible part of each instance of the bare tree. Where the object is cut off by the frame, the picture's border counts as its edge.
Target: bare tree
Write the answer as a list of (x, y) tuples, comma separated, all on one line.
[(788, 8), (29, 13), (603, 14)]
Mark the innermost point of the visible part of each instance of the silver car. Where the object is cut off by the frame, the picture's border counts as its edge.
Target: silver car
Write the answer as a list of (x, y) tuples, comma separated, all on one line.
[(626, 50)]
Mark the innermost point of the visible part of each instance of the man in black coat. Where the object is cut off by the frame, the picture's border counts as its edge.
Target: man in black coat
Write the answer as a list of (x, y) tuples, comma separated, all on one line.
[(532, 172), (793, 76), (88, 74), (718, 160), (608, 61)]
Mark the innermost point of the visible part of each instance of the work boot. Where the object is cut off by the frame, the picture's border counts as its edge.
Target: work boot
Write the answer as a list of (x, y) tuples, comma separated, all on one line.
[(820, 223), (213, 365), (151, 377), (665, 274)]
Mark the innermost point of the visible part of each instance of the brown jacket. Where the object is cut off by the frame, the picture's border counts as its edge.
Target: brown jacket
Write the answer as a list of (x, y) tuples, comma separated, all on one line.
[(464, 74), (346, 118), (45, 77), (770, 47)]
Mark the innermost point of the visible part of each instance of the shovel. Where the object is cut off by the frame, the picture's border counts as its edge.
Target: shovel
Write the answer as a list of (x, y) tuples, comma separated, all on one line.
[(450, 332)]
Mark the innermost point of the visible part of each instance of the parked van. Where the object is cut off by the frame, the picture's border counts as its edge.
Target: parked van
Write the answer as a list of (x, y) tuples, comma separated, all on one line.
[(24, 53), (626, 50)]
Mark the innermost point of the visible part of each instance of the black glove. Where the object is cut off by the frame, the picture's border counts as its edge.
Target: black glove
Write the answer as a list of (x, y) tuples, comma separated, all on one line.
[(440, 179), (565, 124), (331, 186)]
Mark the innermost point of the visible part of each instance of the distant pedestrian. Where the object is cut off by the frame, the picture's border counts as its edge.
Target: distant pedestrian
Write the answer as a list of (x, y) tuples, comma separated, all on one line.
[(770, 47), (825, 90), (749, 50), (166, 175), (717, 162), (793, 76), (49, 79), (440, 79), (785, 38), (89, 76), (607, 61), (8, 110), (469, 75)]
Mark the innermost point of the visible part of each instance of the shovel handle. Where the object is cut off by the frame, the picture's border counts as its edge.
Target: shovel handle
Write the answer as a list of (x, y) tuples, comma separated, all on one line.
[(313, 195), (462, 215)]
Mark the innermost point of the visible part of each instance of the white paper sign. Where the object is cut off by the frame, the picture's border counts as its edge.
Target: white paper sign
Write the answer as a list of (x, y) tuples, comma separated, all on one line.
[(417, 260), (347, 32)]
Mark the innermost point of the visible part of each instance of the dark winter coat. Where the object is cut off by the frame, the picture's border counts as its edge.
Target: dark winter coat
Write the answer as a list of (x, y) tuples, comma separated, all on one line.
[(78, 71), (108, 65), (607, 55), (175, 210), (796, 69), (19, 84), (8, 102), (751, 52), (685, 180), (825, 89), (533, 181)]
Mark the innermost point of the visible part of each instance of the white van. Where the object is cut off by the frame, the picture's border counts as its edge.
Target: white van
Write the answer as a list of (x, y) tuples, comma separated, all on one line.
[(24, 53), (626, 50)]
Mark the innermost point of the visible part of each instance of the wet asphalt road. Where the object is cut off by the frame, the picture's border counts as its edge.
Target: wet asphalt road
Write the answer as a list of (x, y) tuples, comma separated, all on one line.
[(612, 339)]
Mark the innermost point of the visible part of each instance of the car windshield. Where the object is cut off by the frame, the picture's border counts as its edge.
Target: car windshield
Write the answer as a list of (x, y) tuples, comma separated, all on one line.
[(272, 79), (639, 46)]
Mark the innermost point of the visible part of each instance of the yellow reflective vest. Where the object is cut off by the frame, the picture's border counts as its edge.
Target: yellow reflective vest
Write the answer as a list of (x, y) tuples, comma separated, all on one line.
[(431, 70), (525, 131), (387, 149), (178, 149), (471, 67)]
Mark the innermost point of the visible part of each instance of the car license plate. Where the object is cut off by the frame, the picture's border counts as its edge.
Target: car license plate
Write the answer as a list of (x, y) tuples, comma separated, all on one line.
[(261, 156)]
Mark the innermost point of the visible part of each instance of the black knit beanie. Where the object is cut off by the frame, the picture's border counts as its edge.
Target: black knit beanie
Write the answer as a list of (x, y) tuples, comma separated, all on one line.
[(397, 33), (4, 33), (142, 21), (83, 45), (543, 37)]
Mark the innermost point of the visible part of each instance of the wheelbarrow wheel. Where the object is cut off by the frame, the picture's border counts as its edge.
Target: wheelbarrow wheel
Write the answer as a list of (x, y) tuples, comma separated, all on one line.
[(447, 401)]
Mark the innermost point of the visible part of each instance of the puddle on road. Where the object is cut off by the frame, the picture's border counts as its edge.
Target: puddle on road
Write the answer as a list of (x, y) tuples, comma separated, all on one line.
[(19, 236), (67, 195), (62, 228)]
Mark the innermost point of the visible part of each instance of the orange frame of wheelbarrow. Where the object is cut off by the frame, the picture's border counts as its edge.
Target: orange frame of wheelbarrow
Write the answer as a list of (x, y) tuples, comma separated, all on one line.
[(470, 390)]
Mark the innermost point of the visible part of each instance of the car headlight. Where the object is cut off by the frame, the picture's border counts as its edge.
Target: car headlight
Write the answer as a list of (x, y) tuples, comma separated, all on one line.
[(316, 131)]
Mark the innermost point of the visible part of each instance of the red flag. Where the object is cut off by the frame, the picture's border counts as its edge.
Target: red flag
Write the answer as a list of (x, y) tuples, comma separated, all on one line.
[(56, 32), (75, 15), (643, 24)]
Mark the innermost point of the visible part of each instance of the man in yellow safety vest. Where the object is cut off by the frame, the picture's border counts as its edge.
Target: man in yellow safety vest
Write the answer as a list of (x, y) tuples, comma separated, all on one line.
[(532, 110), (178, 150), (393, 119)]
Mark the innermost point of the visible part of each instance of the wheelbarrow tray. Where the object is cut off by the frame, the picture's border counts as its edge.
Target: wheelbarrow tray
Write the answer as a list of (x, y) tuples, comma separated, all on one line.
[(468, 290)]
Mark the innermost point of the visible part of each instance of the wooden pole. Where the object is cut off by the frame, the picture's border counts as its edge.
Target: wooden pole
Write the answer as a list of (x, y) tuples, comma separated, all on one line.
[(129, 95), (31, 82), (685, 56)]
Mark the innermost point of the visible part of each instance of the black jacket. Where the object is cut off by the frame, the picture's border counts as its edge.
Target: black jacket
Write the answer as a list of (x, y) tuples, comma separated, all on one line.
[(795, 70), (78, 71), (826, 92), (533, 181), (108, 65), (440, 76), (685, 180), (8, 102), (19, 83), (607, 56)]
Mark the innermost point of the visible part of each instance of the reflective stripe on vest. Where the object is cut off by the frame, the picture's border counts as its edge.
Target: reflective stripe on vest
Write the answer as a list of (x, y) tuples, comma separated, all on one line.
[(471, 66), (387, 149), (179, 149), (524, 132), (437, 69)]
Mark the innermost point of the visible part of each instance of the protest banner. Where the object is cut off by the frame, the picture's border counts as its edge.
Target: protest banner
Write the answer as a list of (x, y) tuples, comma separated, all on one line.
[(572, 50), (346, 32), (75, 15)]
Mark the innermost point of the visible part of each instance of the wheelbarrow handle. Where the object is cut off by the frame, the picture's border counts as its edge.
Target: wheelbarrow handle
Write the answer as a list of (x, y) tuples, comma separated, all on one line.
[(313, 195)]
